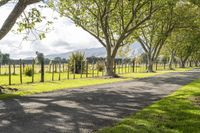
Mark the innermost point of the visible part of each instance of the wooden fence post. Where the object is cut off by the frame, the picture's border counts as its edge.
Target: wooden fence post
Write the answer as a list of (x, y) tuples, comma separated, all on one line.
[(128, 67), (122, 68), (59, 78), (86, 63), (68, 70), (0, 68), (118, 68), (14, 72), (136, 67), (133, 65), (23, 67), (81, 68), (125, 67), (42, 70), (9, 73), (74, 72), (93, 69), (53, 65), (33, 70), (20, 67)]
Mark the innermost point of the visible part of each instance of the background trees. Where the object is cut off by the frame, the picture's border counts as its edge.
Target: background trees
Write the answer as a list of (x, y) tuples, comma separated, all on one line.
[(154, 35), (4, 58)]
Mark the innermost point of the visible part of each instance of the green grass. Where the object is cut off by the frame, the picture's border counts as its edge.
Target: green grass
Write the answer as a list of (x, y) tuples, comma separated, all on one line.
[(176, 113), (33, 88)]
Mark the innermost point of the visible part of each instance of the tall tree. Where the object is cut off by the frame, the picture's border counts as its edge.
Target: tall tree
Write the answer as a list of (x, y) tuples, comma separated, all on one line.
[(188, 17), (175, 15), (158, 29), (14, 15), (187, 43), (111, 22)]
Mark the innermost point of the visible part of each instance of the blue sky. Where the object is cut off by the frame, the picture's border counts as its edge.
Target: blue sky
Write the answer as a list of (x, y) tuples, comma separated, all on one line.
[(64, 37)]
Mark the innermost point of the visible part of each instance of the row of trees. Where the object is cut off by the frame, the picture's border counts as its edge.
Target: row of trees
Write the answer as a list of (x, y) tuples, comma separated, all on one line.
[(171, 26), (4, 58)]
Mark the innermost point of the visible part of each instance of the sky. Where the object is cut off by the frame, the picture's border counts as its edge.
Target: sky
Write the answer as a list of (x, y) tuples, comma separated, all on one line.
[(63, 37)]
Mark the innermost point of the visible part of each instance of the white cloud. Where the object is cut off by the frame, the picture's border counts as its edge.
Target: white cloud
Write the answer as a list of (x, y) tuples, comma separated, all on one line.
[(65, 37)]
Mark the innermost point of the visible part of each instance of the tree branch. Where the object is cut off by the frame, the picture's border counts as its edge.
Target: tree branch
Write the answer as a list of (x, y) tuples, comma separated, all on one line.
[(14, 15)]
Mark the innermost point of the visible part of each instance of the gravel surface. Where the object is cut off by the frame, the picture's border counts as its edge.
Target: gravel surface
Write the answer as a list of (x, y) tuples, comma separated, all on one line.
[(86, 109)]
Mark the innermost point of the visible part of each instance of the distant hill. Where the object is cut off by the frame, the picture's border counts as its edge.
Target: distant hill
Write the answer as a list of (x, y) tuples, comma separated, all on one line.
[(136, 49)]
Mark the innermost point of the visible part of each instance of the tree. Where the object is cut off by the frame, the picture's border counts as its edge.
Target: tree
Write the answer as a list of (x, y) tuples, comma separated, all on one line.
[(4, 58), (1, 58), (124, 52), (154, 35), (111, 22), (186, 43), (175, 15), (77, 62), (14, 15), (196, 57)]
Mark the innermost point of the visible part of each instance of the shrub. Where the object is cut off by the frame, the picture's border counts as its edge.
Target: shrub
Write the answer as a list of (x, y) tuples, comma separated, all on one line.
[(100, 66), (78, 58), (28, 71)]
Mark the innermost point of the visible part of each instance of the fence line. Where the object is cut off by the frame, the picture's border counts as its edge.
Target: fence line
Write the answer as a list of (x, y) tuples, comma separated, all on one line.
[(16, 73)]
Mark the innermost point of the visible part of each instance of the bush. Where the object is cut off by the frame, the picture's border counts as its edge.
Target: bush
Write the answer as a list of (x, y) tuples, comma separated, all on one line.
[(28, 71), (100, 66), (78, 58)]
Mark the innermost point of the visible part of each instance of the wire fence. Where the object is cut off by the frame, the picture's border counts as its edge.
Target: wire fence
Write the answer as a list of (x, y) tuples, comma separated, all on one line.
[(12, 74)]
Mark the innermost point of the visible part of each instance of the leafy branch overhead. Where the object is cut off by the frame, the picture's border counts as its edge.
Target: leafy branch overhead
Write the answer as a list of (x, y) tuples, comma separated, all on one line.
[(14, 15)]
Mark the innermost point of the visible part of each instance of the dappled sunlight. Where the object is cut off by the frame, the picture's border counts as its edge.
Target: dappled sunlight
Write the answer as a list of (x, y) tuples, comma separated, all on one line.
[(174, 113)]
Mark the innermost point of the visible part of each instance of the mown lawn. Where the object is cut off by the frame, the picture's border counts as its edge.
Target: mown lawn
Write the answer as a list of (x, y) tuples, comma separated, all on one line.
[(177, 113), (33, 88)]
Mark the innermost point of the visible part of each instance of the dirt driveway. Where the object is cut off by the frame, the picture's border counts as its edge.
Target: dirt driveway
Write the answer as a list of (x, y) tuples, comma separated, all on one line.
[(86, 109)]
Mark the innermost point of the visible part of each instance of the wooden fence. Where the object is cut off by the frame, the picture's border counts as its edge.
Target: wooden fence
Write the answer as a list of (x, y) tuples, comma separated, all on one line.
[(12, 74)]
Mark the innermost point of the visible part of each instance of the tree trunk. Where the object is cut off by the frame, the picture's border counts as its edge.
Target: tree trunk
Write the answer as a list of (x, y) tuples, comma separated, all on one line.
[(196, 63), (171, 61), (150, 64), (182, 65), (110, 66), (190, 64), (42, 70)]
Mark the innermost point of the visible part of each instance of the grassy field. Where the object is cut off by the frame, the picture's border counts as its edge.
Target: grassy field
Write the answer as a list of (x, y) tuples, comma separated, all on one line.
[(33, 88), (177, 113)]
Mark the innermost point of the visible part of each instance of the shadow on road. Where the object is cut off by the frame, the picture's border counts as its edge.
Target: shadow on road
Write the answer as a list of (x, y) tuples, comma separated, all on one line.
[(85, 110)]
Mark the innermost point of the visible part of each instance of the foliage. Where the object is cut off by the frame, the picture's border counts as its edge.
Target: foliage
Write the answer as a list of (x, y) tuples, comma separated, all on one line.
[(77, 63), (110, 22), (28, 71), (142, 58), (29, 24), (4, 58), (100, 65)]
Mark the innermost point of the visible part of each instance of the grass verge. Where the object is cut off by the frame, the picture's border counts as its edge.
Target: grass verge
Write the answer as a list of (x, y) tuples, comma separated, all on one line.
[(177, 113)]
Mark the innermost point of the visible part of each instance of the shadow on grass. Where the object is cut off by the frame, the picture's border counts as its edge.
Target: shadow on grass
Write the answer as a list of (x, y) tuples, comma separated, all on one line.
[(174, 114)]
